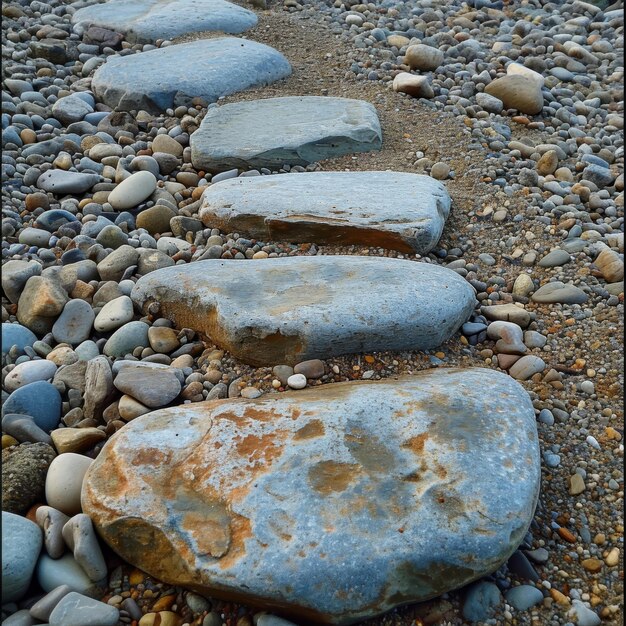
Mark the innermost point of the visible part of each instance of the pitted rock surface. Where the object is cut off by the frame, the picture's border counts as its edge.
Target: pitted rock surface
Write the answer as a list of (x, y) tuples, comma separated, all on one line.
[(145, 21), (393, 210), (153, 80), (288, 310), (334, 503), (275, 131)]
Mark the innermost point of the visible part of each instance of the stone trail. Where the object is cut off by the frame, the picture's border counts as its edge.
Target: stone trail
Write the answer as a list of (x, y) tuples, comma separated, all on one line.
[(276, 131), (392, 210), (288, 310), (333, 504)]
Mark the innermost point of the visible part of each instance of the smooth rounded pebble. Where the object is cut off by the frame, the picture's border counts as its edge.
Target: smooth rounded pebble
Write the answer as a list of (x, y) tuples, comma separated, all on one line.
[(65, 480)]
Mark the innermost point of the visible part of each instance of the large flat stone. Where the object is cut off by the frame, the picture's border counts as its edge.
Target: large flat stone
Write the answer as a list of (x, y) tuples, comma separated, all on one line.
[(275, 131), (333, 504), (394, 210), (145, 21), (174, 75), (288, 310)]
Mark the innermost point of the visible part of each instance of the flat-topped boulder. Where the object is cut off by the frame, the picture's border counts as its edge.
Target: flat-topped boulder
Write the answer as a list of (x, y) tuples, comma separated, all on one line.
[(393, 210), (332, 504), (174, 75), (277, 131), (292, 309), (144, 21)]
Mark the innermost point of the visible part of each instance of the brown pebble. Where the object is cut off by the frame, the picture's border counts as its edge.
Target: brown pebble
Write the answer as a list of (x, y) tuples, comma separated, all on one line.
[(566, 534)]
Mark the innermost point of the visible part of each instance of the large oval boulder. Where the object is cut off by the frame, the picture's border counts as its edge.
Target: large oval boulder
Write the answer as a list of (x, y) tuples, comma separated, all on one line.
[(332, 504), (288, 310)]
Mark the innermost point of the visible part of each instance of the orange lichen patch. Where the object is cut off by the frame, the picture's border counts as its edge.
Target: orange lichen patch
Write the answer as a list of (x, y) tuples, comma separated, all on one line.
[(209, 527), (256, 447), (295, 413), (332, 476), (150, 456), (240, 531), (314, 428), (416, 444)]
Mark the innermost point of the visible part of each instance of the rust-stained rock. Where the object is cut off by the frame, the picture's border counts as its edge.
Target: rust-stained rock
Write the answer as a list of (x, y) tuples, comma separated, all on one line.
[(394, 210), (332, 504), (288, 310)]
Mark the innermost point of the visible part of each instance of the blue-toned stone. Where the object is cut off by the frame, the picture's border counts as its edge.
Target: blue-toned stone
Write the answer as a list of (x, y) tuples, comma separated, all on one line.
[(213, 68), (61, 182), (53, 219), (274, 131), (41, 400), (145, 21), (124, 340), (338, 502), (16, 335), (523, 597), (480, 601), (74, 324), (21, 543)]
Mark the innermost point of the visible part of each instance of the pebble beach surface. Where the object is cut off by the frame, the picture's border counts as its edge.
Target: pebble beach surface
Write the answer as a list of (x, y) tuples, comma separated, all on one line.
[(493, 273)]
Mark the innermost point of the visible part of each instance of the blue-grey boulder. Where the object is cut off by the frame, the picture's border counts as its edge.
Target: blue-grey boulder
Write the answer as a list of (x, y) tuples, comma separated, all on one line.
[(41, 400), (16, 335), (154, 80), (21, 543), (393, 210), (144, 21), (335, 503), (62, 182), (288, 310), (296, 130)]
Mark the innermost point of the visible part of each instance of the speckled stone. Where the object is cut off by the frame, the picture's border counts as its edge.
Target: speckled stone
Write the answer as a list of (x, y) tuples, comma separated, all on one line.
[(457, 470)]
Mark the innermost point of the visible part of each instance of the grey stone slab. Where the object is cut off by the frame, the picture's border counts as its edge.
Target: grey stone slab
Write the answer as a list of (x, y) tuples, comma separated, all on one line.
[(292, 130), (393, 210), (288, 310), (174, 75), (146, 21), (332, 504)]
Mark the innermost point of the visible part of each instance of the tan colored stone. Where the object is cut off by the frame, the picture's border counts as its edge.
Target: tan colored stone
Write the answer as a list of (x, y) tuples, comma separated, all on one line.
[(517, 92), (76, 439), (548, 163), (413, 85), (40, 303), (610, 265), (576, 484)]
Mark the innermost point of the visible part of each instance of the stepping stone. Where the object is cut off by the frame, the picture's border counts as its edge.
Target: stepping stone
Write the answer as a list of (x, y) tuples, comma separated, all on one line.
[(392, 210), (145, 21), (293, 309), (293, 130), (174, 75), (334, 503)]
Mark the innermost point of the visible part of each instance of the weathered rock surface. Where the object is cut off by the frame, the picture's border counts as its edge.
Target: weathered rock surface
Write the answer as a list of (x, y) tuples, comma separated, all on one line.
[(275, 131), (289, 310), (145, 21), (213, 68), (335, 503), (395, 210)]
